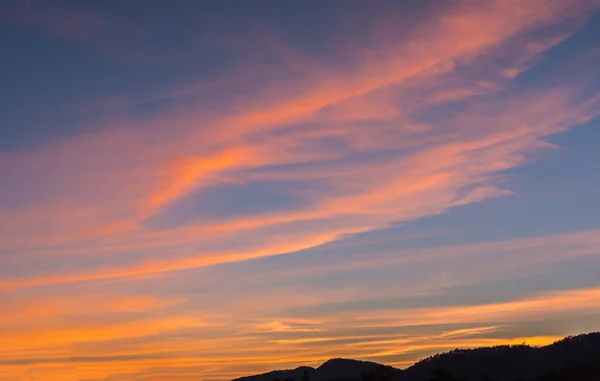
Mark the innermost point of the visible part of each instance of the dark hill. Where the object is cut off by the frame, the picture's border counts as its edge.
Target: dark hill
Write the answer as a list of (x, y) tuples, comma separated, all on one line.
[(574, 358), (334, 369), (508, 363), (281, 375), (343, 369)]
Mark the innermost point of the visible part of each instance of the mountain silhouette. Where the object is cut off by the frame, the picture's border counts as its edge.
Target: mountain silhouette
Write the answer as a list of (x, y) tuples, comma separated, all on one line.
[(281, 375), (511, 362), (574, 358), (331, 370), (343, 369)]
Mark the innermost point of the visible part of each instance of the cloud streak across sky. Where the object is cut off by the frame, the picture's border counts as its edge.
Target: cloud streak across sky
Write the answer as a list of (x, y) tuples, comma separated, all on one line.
[(252, 194)]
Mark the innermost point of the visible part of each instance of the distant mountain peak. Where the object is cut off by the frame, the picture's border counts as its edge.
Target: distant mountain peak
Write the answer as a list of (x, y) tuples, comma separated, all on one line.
[(577, 356), (342, 361)]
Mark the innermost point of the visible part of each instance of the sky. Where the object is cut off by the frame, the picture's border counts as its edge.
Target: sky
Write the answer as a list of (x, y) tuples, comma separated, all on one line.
[(199, 190)]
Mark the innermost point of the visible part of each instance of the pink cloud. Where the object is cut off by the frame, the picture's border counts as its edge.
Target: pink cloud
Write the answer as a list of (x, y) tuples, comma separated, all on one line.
[(110, 181), (90, 196)]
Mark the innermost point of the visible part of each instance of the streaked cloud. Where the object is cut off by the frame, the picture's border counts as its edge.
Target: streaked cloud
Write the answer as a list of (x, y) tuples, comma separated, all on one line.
[(257, 215)]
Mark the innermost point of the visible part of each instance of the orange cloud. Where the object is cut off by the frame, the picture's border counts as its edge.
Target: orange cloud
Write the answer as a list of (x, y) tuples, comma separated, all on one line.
[(86, 218)]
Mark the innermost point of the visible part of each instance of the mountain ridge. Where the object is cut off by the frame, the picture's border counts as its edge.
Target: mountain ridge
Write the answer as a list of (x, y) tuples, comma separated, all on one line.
[(571, 355)]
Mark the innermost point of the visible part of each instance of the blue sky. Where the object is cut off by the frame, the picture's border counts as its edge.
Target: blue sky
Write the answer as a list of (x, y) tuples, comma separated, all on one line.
[(210, 189)]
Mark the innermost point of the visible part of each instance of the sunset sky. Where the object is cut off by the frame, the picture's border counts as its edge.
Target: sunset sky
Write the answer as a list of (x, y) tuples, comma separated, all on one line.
[(199, 190)]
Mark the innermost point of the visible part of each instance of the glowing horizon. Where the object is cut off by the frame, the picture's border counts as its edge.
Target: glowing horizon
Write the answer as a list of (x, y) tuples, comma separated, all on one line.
[(210, 190)]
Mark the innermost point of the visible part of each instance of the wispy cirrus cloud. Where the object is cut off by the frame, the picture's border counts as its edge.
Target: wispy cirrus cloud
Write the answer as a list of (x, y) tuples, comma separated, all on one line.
[(289, 154)]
